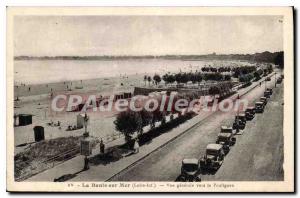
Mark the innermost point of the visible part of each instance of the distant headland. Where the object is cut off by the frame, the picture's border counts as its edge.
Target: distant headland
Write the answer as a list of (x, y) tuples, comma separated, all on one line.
[(272, 57)]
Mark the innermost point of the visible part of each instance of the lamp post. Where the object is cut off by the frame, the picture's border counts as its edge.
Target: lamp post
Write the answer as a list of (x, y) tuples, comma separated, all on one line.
[(265, 84), (85, 123), (275, 79)]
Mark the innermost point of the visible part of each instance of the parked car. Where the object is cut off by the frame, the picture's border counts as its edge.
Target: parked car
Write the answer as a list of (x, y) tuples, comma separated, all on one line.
[(190, 170), (213, 158), (241, 116), (259, 107), (250, 113), (270, 90), (264, 100), (278, 81), (268, 79), (267, 94), (226, 138), (238, 124), (240, 121)]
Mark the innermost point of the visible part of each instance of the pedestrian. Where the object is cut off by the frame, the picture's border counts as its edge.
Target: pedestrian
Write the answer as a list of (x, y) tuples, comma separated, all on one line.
[(102, 147), (136, 146), (86, 163), (259, 84)]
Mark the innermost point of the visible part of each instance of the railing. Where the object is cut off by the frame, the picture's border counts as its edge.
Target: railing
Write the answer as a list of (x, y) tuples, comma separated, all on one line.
[(62, 157)]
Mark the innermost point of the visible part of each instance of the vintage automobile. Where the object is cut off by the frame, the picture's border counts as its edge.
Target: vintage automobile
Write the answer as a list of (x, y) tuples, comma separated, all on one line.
[(264, 100), (268, 79), (270, 90), (267, 94), (240, 121), (226, 138), (190, 170), (241, 116), (213, 158), (238, 124), (259, 107), (250, 113), (279, 81)]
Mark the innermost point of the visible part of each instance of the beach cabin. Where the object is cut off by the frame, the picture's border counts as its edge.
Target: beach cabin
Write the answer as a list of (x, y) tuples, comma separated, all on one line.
[(80, 120), (39, 133), (127, 95), (25, 119)]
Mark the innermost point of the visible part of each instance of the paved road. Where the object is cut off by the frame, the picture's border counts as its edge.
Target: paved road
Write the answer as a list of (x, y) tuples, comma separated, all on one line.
[(257, 155)]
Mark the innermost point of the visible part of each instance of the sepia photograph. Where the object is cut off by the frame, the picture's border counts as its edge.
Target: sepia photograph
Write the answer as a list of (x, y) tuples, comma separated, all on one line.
[(156, 99)]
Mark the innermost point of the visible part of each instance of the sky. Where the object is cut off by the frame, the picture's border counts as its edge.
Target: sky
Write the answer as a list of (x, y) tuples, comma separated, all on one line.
[(145, 35)]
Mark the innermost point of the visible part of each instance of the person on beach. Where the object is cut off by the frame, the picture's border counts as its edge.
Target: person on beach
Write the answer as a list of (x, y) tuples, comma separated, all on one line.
[(86, 163), (102, 147), (136, 146)]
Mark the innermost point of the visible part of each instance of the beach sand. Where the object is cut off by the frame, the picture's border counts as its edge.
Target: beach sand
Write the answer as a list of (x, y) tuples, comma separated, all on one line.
[(37, 102)]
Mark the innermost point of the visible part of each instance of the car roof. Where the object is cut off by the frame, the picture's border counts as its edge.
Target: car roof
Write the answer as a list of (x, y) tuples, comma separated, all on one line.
[(241, 114), (224, 135), (263, 98), (214, 146), (251, 107), (226, 127), (190, 161), (259, 103)]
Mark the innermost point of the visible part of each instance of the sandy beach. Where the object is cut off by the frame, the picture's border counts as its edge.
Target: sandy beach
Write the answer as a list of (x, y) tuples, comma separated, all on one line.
[(37, 102)]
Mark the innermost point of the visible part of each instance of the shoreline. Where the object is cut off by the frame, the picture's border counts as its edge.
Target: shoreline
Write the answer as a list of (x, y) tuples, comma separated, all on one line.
[(102, 84)]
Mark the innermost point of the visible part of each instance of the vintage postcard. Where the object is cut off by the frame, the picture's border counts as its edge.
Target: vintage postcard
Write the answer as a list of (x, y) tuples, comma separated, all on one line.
[(150, 99)]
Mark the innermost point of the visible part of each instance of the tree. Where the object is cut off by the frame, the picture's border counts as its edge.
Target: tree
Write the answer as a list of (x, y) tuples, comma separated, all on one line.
[(227, 77), (165, 78), (279, 60), (178, 77), (256, 75), (214, 90), (145, 79), (128, 122), (146, 118), (149, 79), (270, 68), (157, 79), (171, 78)]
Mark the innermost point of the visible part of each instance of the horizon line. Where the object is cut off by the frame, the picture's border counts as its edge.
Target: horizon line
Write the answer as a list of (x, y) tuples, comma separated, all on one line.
[(146, 55)]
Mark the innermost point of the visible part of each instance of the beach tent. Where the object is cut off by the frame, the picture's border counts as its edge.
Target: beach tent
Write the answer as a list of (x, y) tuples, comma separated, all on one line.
[(25, 119), (38, 133), (80, 120)]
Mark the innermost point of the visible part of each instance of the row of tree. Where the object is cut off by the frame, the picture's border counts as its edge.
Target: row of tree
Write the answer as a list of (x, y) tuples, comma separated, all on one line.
[(242, 70), (215, 69), (196, 77), (243, 73), (156, 79), (256, 75), (128, 122)]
